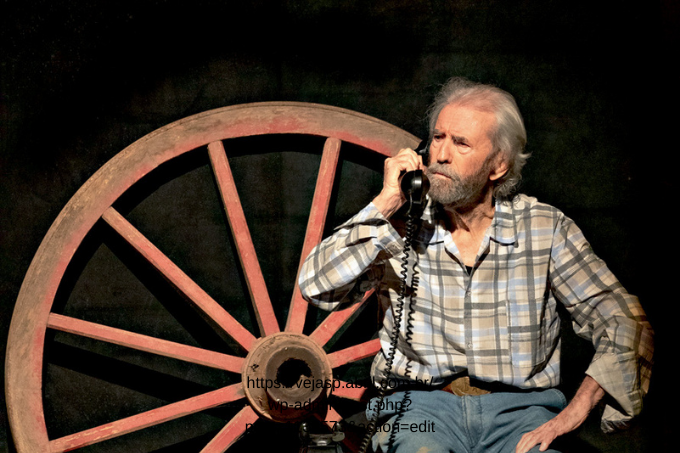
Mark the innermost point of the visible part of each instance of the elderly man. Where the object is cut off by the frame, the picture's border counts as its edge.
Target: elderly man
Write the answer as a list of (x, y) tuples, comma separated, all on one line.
[(480, 326)]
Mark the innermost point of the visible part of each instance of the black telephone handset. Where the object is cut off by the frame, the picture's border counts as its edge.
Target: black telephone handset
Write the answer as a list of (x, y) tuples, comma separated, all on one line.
[(414, 184)]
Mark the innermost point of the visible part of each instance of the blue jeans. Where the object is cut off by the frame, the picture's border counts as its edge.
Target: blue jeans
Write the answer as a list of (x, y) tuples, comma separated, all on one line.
[(440, 422)]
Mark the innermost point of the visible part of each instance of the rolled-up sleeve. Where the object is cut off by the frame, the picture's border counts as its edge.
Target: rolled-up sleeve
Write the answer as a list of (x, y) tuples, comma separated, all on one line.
[(605, 314), (351, 261)]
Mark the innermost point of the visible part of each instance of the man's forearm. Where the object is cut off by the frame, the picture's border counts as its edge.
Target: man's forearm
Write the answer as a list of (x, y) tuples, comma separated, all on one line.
[(587, 396), (342, 266)]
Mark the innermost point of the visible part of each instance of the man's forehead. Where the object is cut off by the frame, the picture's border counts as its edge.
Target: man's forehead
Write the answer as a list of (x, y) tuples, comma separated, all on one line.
[(467, 115)]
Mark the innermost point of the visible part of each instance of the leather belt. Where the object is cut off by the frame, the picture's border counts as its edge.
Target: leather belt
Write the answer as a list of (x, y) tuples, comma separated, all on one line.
[(464, 385)]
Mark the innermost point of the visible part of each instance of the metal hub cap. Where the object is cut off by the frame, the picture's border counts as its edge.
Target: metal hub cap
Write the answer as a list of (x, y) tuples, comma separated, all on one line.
[(287, 377)]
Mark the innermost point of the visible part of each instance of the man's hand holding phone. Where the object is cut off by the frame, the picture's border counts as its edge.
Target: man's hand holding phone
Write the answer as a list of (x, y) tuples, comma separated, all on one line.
[(391, 198)]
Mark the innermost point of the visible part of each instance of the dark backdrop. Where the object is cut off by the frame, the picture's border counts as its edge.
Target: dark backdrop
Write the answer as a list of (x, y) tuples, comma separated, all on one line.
[(82, 80)]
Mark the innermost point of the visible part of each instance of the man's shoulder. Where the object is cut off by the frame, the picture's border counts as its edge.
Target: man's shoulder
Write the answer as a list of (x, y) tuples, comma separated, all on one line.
[(524, 208)]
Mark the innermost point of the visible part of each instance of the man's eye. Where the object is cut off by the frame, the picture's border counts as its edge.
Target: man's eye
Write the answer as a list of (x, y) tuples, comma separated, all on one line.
[(438, 137)]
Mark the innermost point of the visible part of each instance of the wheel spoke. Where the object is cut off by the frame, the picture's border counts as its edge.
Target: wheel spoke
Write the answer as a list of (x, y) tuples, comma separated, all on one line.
[(145, 343), (179, 279), (315, 226), (351, 391), (333, 322), (146, 419), (354, 353), (232, 432), (264, 311)]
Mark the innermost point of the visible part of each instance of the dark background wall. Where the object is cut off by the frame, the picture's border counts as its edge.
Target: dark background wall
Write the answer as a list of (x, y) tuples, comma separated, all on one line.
[(82, 80)]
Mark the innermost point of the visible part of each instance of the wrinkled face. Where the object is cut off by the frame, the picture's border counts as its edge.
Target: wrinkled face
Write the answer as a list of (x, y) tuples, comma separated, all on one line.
[(462, 163)]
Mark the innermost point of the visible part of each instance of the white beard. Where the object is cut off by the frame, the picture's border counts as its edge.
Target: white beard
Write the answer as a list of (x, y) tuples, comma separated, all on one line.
[(456, 191)]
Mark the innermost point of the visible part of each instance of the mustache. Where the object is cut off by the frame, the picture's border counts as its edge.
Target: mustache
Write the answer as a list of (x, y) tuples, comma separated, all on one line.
[(443, 169)]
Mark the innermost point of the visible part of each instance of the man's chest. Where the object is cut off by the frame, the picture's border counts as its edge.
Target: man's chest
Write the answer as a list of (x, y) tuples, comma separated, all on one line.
[(498, 274)]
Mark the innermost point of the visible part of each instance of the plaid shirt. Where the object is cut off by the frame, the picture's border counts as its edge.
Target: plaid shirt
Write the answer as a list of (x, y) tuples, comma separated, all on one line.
[(499, 321)]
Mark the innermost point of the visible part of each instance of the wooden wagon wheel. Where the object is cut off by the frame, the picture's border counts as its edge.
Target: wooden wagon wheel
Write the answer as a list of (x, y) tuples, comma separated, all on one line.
[(34, 316)]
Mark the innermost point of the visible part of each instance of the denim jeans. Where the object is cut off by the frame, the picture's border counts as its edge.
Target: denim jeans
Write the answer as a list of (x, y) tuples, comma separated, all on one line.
[(440, 422)]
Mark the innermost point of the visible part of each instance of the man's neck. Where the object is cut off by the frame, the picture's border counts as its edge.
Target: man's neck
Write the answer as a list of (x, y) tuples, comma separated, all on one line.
[(474, 219), (468, 226)]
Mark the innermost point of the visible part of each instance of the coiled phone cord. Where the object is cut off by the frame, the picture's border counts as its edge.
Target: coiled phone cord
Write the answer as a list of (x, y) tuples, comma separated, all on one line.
[(394, 336)]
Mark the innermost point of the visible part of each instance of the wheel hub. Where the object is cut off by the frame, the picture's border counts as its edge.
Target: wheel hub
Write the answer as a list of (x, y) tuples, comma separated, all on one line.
[(287, 377)]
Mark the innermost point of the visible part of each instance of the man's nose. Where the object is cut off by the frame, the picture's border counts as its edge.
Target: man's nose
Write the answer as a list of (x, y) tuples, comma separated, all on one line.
[(441, 154)]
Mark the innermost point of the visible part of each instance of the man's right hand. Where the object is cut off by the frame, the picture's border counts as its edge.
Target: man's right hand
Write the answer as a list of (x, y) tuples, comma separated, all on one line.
[(390, 198)]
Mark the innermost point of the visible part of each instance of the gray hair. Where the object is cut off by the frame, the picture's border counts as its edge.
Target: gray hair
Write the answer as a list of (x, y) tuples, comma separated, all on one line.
[(509, 136)]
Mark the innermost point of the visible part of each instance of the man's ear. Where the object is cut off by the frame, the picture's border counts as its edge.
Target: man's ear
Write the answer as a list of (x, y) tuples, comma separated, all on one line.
[(500, 166)]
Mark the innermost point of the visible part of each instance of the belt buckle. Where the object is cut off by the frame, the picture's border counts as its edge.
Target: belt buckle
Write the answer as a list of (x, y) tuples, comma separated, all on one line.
[(461, 387)]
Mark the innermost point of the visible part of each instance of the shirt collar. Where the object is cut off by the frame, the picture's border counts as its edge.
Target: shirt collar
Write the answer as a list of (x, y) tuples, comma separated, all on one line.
[(502, 229)]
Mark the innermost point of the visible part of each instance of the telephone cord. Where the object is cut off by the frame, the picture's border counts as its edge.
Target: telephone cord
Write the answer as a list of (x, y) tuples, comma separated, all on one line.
[(394, 337)]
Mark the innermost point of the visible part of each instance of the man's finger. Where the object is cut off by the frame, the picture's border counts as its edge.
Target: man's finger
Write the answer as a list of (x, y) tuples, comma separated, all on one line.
[(526, 443)]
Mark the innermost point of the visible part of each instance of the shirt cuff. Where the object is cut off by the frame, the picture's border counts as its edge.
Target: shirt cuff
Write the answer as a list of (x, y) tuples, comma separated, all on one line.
[(617, 375)]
